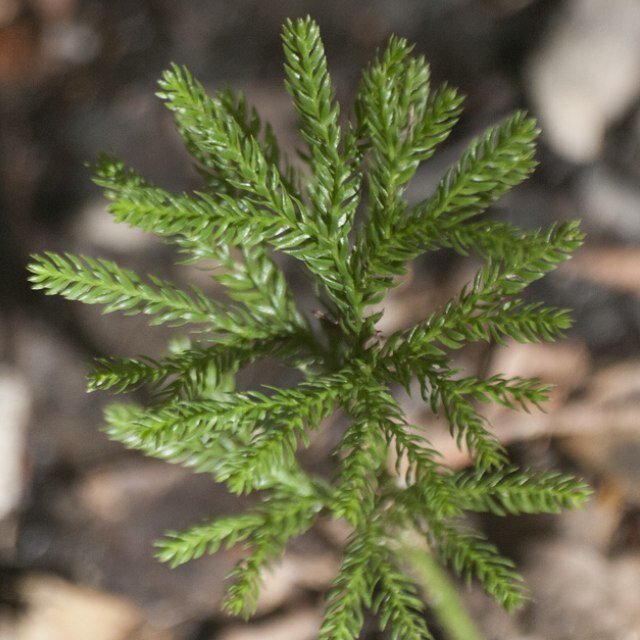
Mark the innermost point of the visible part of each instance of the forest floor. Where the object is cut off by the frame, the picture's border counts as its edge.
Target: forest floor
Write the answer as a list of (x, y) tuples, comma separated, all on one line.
[(78, 514)]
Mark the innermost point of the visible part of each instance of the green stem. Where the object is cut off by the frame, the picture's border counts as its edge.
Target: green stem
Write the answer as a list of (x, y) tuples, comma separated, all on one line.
[(442, 595)]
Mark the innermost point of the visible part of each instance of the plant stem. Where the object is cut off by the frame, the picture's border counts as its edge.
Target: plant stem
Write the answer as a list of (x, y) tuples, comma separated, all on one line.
[(442, 595)]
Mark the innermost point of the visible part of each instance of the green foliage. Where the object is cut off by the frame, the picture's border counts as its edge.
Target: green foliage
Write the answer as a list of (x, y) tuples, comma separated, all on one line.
[(255, 202), (264, 531)]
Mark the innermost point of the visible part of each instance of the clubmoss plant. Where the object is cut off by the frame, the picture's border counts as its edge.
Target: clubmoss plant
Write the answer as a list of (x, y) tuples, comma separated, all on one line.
[(347, 220)]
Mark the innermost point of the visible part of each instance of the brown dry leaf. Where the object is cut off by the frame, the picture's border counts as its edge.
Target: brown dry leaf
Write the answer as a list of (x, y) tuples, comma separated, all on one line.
[(614, 456), (583, 74), (417, 295), (59, 610), (614, 267), (55, 10), (15, 412), (9, 10), (580, 593), (19, 50), (618, 383), (295, 572), (565, 365), (604, 429), (113, 493), (610, 403), (302, 624), (596, 523), (410, 302)]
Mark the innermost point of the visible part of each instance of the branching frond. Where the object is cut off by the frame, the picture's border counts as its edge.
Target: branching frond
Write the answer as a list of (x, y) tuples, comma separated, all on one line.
[(472, 556), (494, 163), (512, 393), (235, 103), (287, 416), (264, 531), (470, 428), (422, 467), (103, 282), (284, 519), (392, 102), (195, 223), (179, 547), (397, 603), (335, 189), (362, 450), (517, 491), (205, 228), (502, 158), (259, 284), (188, 371), (484, 310), (257, 433), (351, 592), (403, 124), (249, 171), (218, 131), (440, 389)]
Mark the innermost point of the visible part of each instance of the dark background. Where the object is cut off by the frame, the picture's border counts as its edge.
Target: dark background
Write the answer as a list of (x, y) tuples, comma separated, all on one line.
[(78, 514)]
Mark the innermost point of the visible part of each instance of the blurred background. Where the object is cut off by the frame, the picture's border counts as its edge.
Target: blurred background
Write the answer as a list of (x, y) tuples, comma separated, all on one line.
[(78, 514)]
